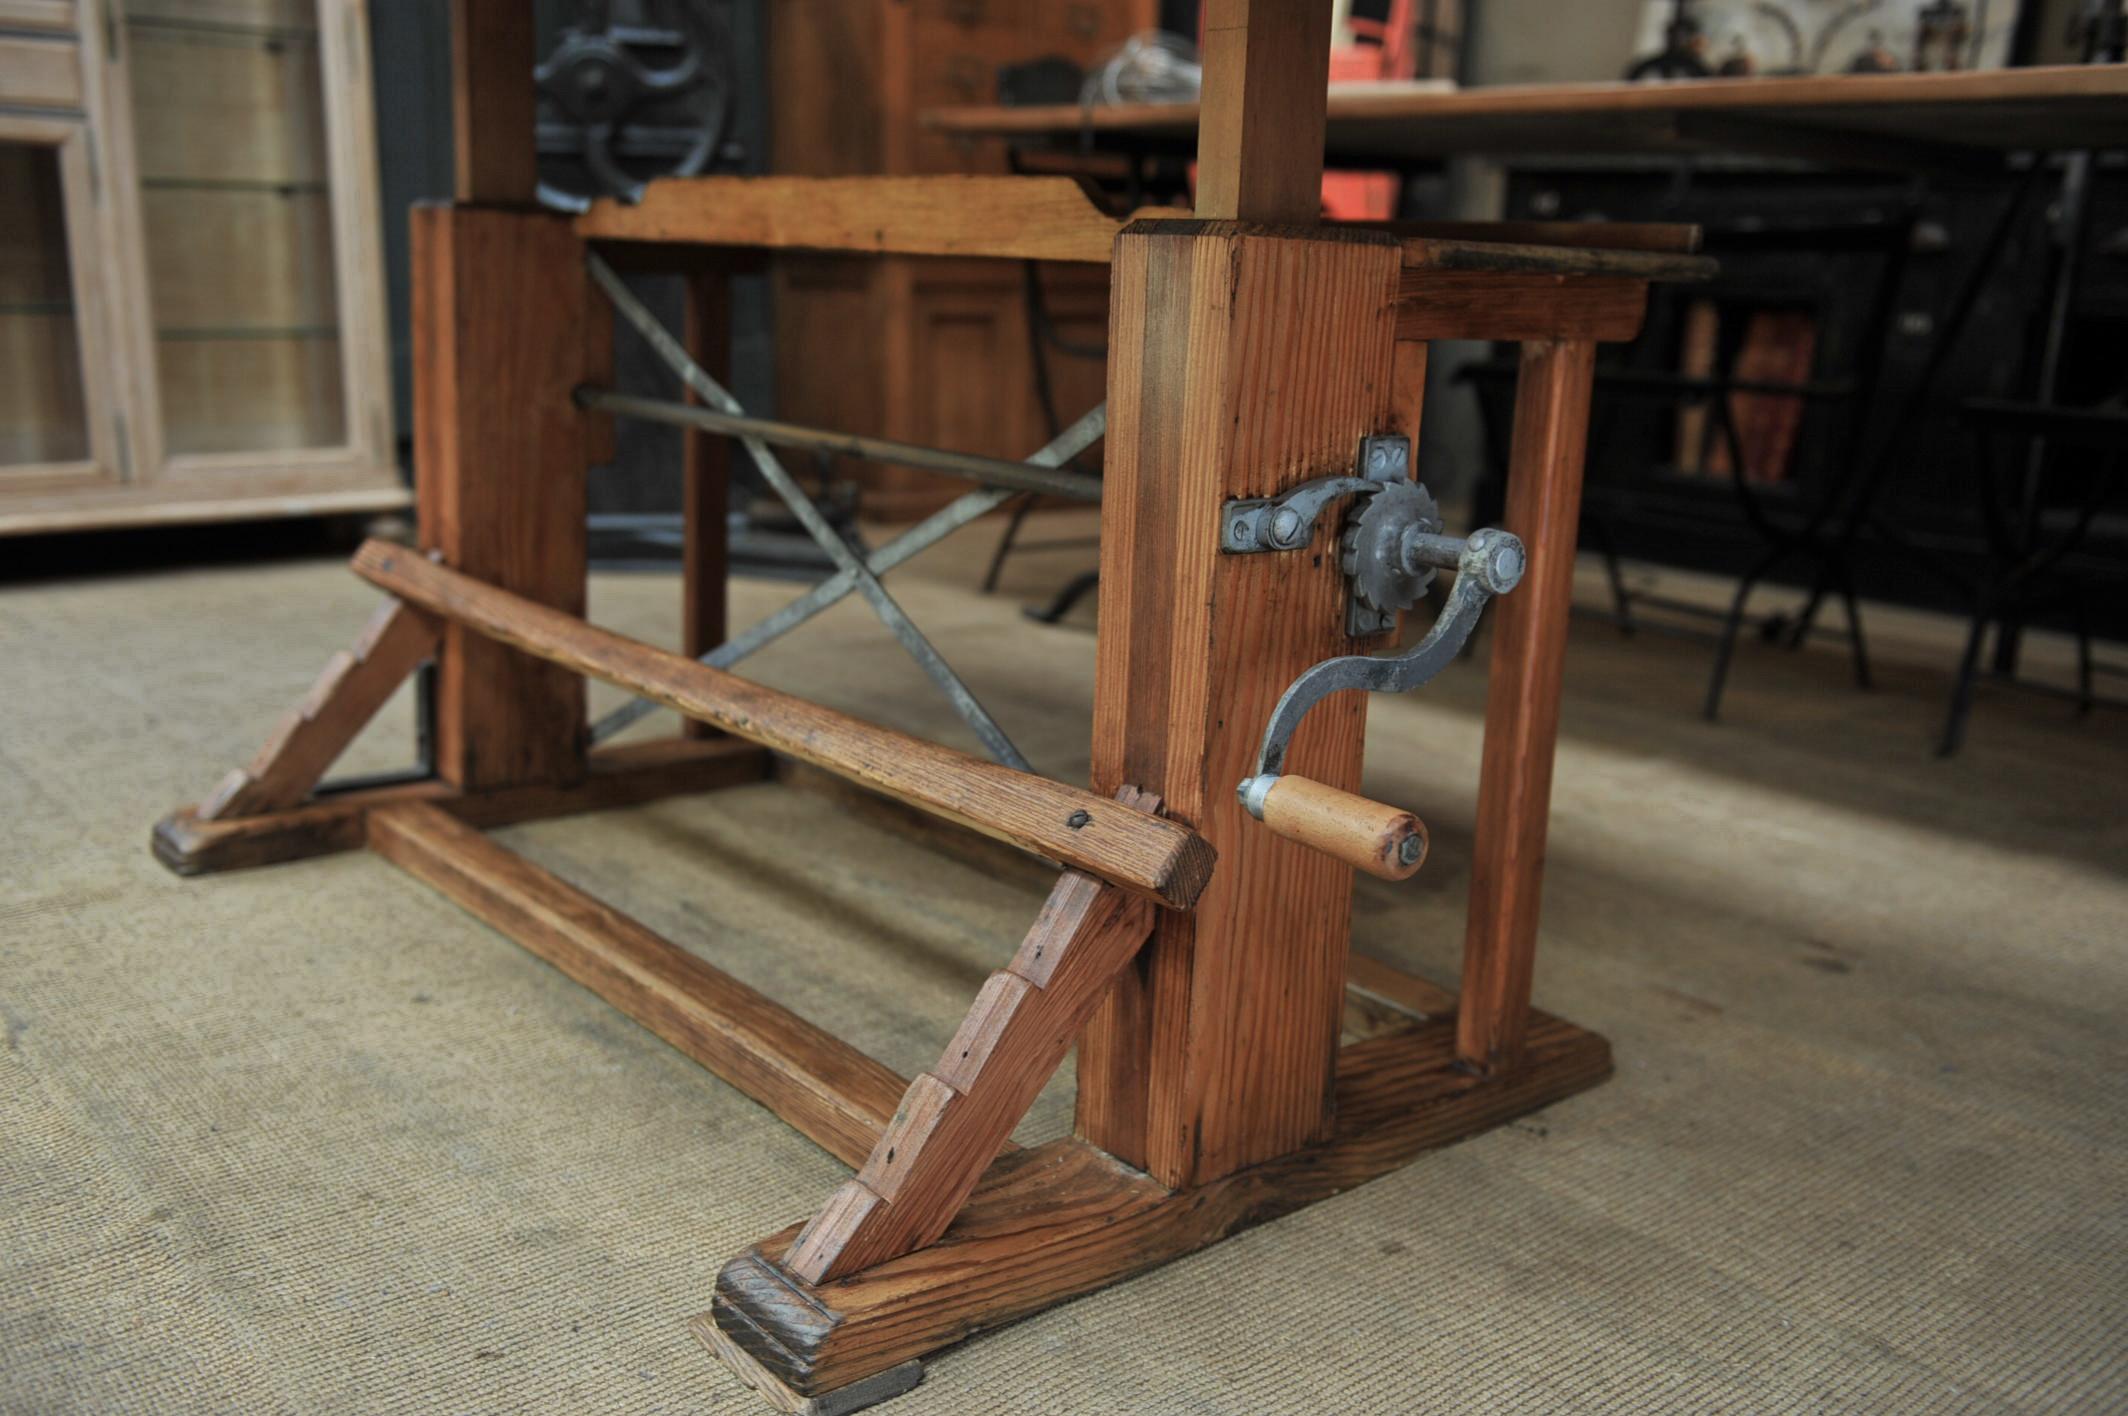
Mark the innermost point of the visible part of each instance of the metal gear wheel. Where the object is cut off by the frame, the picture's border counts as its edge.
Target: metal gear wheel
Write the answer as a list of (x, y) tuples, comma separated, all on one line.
[(1369, 551)]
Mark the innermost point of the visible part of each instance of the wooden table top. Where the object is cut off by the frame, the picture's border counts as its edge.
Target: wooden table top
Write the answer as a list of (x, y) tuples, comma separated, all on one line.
[(1895, 120)]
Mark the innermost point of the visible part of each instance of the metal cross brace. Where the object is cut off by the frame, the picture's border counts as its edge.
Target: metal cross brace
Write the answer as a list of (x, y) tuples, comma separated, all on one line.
[(851, 572)]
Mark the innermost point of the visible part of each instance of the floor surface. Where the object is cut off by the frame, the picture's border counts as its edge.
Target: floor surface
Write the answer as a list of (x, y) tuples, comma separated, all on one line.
[(309, 1139)]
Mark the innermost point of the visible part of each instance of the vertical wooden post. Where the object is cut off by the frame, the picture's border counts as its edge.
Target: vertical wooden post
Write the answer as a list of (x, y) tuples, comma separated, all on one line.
[(498, 315), (1241, 361), (1260, 124), (1522, 702), (492, 101), (706, 478)]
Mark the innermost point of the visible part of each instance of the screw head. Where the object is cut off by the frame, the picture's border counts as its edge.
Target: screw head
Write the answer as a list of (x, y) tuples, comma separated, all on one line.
[(1285, 526), (1410, 850)]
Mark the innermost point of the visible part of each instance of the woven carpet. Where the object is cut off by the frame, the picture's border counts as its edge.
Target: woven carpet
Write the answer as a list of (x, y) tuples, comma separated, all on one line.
[(309, 1139)]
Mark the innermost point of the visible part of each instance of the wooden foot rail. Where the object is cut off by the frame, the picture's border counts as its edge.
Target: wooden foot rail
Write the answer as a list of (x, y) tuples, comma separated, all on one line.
[(631, 775), (826, 1089), (1167, 862)]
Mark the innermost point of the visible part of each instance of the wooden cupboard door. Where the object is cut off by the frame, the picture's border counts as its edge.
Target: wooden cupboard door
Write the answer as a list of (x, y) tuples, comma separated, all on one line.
[(58, 423), (250, 166)]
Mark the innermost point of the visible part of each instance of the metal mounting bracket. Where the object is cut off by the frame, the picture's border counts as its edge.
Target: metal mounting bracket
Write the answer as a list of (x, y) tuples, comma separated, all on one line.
[(1285, 522)]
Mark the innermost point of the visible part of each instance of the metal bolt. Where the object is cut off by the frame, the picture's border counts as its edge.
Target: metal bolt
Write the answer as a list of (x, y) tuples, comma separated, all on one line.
[(1410, 849), (1078, 819), (1285, 526)]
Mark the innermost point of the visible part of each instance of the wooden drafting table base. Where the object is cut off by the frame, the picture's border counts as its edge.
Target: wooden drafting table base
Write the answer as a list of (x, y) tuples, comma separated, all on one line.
[(1063, 1219)]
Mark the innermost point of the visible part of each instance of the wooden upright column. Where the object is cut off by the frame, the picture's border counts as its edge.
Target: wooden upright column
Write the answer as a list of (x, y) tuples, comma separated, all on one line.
[(1260, 125), (706, 480), (1522, 702), (498, 314), (1242, 360)]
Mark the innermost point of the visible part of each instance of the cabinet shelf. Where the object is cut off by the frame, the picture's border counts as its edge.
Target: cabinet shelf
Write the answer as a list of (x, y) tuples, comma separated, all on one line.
[(224, 29), (252, 332), (292, 187)]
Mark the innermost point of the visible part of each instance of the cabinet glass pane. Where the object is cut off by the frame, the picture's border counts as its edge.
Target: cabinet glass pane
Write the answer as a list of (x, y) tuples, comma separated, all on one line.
[(229, 118), (43, 416)]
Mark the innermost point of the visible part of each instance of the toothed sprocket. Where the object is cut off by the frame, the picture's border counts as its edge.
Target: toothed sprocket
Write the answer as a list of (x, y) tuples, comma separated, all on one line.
[(1369, 551)]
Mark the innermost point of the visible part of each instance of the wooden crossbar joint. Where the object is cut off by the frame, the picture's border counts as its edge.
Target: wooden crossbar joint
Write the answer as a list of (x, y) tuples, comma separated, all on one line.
[(956, 1117), (1162, 860)]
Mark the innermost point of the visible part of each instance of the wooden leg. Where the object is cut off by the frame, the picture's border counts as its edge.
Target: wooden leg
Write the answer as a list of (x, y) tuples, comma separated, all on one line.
[(499, 305), (706, 475), (1216, 1051), (1522, 703)]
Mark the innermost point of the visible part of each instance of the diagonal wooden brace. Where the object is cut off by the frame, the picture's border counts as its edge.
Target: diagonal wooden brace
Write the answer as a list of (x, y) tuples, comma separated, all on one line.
[(354, 685), (956, 1118)]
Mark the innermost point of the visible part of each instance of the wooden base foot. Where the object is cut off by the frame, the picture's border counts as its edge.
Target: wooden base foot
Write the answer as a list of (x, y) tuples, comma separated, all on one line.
[(618, 776), (1060, 1220), (866, 1391)]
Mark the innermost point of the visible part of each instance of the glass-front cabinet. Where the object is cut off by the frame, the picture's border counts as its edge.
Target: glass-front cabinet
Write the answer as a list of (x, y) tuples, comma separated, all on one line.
[(191, 294)]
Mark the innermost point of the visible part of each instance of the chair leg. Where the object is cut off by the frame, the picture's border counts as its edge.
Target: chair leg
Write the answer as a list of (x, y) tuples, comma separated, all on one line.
[(1020, 509), (1074, 591), (1621, 598), (1725, 647), (1859, 649), (2086, 695), (1962, 686)]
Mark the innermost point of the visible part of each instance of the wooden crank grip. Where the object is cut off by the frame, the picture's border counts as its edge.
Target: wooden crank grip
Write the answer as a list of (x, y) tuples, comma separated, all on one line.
[(1367, 835)]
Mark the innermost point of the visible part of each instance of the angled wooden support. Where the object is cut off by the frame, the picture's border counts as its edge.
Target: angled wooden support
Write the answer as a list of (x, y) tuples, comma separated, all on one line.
[(956, 1117), (825, 1089), (1162, 860), (353, 686)]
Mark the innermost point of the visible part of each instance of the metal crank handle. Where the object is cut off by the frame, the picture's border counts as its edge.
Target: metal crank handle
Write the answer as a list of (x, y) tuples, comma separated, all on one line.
[(1382, 840)]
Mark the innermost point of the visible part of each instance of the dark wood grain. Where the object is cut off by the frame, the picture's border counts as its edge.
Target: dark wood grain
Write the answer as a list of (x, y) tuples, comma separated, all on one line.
[(1163, 860)]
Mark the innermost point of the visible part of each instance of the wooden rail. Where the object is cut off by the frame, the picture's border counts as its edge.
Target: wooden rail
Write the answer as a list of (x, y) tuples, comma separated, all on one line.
[(1143, 854), (1054, 219), (825, 1088)]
